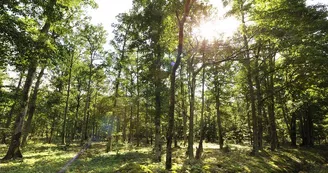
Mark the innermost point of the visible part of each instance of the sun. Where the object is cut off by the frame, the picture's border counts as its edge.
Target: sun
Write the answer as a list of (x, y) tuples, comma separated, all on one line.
[(217, 29), (217, 26)]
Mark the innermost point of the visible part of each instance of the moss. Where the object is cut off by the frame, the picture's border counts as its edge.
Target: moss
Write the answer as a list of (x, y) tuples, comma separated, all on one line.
[(134, 168)]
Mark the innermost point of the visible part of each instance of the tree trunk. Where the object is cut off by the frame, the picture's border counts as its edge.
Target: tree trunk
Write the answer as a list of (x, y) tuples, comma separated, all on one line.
[(184, 111), (259, 99), (158, 108), (14, 147), (32, 106), (218, 114), (168, 163), (202, 126), (53, 124), (190, 151), (138, 105), (125, 118), (158, 146), (67, 98), (307, 126), (86, 111), (249, 125), (78, 100), (118, 78), (293, 129), (13, 106), (125, 122), (250, 86), (131, 125), (272, 119)]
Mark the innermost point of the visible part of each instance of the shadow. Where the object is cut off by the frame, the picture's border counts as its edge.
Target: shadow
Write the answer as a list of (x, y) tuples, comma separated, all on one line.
[(109, 163)]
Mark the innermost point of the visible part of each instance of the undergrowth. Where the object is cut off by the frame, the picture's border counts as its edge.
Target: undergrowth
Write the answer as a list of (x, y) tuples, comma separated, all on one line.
[(129, 159)]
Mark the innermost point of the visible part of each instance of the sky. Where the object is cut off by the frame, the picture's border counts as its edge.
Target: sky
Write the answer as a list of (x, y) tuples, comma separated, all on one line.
[(108, 9)]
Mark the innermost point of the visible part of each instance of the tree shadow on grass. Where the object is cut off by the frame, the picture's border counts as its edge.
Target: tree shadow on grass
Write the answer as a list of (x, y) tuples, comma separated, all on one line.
[(108, 162), (44, 165), (216, 161)]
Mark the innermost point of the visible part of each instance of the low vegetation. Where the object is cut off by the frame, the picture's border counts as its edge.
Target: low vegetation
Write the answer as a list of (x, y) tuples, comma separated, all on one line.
[(234, 158)]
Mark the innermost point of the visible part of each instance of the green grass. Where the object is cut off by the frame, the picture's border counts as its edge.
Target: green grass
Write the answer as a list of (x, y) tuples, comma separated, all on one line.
[(128, 159), (38, 158)]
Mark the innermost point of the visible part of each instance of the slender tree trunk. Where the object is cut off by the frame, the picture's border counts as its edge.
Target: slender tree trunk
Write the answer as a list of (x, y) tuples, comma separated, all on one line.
[(190, 151), (284, 112), (249, 119), (67, 98), (158, 145), (95, 114), (53, 124), (131, 129), (124, 124), (202, 126), (14, 147), (250, 86), (168, 163), (116, 95), (32, 106), (218, 114), (158, 107), (138, 105), (272, 119), (259, 99), (78, 100), (125, 118), (117, 80), (131, 125), (293, 129), (86, 111), (184, 111), (307, 126), (13, 106)]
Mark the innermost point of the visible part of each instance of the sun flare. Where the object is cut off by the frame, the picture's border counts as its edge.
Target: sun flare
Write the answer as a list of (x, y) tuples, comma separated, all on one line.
[(217, 29)]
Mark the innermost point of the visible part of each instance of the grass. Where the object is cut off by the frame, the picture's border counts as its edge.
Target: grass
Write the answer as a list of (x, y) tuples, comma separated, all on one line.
[(125, 158), (38, 158)]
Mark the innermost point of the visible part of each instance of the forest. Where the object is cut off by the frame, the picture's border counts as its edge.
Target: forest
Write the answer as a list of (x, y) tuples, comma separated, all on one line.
[(160, 96)]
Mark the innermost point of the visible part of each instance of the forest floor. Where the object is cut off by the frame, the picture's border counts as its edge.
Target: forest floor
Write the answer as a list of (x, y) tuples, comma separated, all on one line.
[(47, 158)]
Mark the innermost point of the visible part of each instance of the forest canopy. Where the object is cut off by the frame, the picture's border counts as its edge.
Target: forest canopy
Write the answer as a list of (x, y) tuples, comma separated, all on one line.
[(162, 81)]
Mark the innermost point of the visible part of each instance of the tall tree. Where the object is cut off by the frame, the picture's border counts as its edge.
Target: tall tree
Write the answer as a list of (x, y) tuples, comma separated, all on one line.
[(181, 22)]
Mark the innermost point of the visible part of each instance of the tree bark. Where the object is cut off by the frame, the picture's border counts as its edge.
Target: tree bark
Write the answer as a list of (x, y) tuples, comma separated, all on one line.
[(78, 100), (138, 105), (293, 129), (31, 107), (190, 151), (13, 106), (118, 78), (158, 146), (272, 119), (184, 111), (86, 111), (168, 163), (247, 64), (14, 147), (202, 126), (259, 99), (307, 126), (249, 125), (158, 107), (218, 114), (67, 98), (131, 125)]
